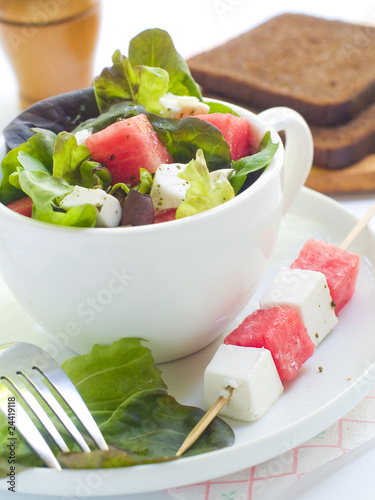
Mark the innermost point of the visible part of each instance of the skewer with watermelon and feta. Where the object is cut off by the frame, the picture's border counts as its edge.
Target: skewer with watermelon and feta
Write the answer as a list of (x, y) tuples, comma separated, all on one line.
[(299, 309)]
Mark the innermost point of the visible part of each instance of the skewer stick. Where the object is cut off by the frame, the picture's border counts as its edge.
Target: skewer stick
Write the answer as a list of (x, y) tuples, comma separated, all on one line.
[(361, 224), (205, 421), (222, 401)]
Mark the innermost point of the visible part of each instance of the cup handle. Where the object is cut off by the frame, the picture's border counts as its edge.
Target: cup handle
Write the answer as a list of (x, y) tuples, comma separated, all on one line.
[(299, 148)]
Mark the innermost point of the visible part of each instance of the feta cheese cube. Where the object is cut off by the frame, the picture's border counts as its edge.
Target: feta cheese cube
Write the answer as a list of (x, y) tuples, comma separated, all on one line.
[(82, 135), (252, 374), (176, 106), (168, 190), (221, 174), (108, 207), (308, 293)]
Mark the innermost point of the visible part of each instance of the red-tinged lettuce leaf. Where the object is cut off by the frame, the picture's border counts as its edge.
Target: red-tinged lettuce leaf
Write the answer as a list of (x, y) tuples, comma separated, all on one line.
[(137, 209), (59, 113)]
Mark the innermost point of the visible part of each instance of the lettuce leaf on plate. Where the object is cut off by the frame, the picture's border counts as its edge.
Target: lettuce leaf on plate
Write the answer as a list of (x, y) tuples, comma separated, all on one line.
[(126, 395)]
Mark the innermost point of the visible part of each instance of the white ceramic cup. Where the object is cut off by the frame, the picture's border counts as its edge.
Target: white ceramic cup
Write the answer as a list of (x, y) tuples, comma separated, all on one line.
[(178, 284)]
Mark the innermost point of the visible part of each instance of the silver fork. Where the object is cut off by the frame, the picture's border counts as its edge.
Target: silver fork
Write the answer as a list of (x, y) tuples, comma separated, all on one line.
[(24, 370)]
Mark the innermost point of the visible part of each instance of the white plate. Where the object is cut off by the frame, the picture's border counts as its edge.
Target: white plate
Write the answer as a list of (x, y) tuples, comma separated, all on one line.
[(312, 402)]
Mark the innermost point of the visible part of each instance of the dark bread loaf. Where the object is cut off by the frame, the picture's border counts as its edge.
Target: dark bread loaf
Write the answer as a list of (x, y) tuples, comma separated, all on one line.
[(322, 68)]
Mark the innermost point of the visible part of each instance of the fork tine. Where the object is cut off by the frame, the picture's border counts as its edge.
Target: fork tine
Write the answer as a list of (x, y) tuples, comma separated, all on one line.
[(55, 406), (28, 369), (39, 412), (64, 386), (28, 430)]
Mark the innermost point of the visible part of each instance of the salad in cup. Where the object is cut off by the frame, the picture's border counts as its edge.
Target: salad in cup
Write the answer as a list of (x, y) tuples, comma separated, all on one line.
[(153, 150)]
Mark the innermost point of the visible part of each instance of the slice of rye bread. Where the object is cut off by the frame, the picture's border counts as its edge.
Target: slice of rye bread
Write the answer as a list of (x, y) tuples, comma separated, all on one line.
[(325, 69), (340, 146), (344, 145)]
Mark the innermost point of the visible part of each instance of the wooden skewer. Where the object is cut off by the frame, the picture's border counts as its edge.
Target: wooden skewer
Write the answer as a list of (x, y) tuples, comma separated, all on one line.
[(205, 421), (222, 401), (361, 224)]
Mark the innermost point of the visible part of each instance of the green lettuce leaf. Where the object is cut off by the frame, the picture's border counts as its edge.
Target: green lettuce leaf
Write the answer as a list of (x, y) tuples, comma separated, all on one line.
[(204, 192), (107, 375), (39, 146), (153, 68), (67, 157), (260, 160), (31, 163), (146, 181), (183, 138), (153, 423), (126, 395), (112, 458), (94, 175), (44, 189), (72, 163), (155, 48), (122, 82), (115, 112), (218, 107)]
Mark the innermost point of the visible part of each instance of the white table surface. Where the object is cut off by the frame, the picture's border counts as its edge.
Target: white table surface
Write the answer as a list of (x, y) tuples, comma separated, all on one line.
[(200, 25)]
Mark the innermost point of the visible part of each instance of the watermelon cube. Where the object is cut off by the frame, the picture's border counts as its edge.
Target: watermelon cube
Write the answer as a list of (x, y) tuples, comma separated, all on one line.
[(281, 331), (235, 130), (165, 215), (126, 146), (339, 267), (23, 206)]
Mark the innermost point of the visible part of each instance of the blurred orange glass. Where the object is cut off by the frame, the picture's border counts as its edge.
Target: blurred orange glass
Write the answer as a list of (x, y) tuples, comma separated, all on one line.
[(50, 44)]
